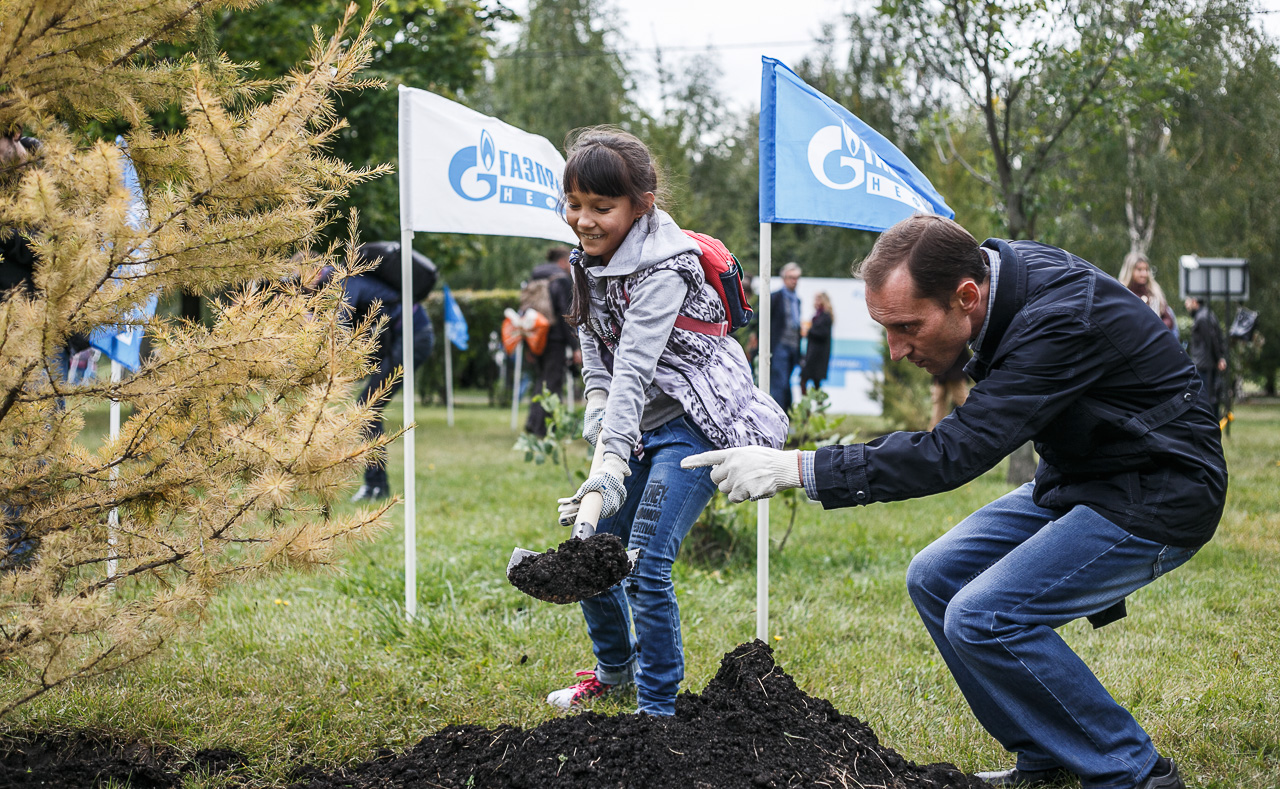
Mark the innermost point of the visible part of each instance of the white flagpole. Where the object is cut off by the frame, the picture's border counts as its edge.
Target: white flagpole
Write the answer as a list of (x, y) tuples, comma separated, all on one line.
[(448, 375), (405, 134), (406, 392), (515, 386), (762, 358), (113, 518)]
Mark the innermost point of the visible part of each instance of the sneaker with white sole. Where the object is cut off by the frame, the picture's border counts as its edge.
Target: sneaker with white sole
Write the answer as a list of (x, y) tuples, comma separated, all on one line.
[(588, 688)]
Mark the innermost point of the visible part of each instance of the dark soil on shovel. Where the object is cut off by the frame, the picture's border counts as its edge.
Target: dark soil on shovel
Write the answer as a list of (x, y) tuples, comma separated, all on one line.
[(751, 727), (572, 571)]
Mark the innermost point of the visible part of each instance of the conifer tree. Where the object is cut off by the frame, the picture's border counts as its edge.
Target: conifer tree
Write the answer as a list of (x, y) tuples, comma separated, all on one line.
[(241, 432)]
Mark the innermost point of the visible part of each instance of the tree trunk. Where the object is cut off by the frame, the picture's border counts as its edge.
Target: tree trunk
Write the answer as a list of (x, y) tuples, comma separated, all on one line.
[(1022, 465)]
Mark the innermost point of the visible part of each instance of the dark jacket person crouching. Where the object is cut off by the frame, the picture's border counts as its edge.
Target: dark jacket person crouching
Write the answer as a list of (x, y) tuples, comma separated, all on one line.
[(1131, 481)]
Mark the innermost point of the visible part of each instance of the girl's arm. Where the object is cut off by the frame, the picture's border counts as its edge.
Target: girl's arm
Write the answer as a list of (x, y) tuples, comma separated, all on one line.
[(655, 303), (594, 374)]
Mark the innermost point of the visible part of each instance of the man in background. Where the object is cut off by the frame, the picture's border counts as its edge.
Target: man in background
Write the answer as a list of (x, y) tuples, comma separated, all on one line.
[(784, 336), (1207, 347), (551, 276)]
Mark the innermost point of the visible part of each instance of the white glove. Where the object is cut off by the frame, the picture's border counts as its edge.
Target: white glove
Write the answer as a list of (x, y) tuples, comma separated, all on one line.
[(749, 472), (608, 481), (593, 419)]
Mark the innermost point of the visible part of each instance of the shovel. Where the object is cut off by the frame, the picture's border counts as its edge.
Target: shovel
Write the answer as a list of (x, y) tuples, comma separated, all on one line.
[(583, 528)]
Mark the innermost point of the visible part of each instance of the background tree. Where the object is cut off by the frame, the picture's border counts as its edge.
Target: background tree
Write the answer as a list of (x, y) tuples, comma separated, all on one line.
[(241, 432)]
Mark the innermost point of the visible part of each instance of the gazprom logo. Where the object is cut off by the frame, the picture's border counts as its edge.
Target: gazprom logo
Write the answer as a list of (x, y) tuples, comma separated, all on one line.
[(839, 159), (484, 170)]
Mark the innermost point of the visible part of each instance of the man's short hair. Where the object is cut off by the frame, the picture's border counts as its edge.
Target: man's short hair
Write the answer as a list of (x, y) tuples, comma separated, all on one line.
[(938, 253), (557, 254), (790, 267)]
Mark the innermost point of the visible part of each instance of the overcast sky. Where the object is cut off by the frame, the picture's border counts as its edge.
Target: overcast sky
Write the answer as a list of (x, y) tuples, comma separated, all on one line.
[(741, 31)]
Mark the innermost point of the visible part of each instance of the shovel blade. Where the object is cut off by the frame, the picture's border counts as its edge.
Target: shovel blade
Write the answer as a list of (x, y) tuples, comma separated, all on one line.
[(517, 556)]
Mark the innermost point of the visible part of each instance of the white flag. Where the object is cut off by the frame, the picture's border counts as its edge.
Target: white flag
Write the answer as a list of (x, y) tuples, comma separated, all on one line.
[(464, 172)]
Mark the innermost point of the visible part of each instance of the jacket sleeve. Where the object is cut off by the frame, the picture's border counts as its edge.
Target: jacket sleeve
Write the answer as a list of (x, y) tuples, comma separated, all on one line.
[(595, 375), (650, 317), (1049, 364)]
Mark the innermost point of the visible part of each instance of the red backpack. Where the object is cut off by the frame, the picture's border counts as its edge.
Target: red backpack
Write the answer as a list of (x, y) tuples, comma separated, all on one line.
[(724, 274)]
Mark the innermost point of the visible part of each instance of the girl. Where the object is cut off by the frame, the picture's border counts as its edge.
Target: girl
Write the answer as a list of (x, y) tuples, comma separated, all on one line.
[(656, 393)]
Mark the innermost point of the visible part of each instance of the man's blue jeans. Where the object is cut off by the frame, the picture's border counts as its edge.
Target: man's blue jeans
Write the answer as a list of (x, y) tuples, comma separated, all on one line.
[(992, 590), (782, 364), (663, 501)]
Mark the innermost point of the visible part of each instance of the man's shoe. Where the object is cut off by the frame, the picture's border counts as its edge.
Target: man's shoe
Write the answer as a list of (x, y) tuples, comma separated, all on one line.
[(1016, 777), (1164, 776), (574, 696), (370, 493)]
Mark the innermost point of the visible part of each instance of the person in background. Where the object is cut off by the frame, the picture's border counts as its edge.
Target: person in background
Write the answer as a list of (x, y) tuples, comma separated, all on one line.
[(1131, 484), (949, 390), (1208, 348), (784, 338), (664, 380), (817, 352), (363, 293), (562, 340), (1137, 275)]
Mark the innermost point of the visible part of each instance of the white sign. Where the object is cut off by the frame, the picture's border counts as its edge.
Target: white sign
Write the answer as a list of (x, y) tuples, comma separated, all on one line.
[(855, 343), (464, 172)]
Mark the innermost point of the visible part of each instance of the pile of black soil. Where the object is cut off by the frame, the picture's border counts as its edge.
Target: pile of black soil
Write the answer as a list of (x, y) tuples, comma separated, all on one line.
[(82, 762), (751, 727), (572, 571)]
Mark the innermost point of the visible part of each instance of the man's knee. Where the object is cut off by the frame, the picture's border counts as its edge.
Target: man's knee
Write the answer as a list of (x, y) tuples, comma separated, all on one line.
[(929, 576)]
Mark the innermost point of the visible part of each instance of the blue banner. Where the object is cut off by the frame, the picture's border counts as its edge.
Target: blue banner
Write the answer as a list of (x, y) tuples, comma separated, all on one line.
[(455, 326), (123, 343), (820, 165)]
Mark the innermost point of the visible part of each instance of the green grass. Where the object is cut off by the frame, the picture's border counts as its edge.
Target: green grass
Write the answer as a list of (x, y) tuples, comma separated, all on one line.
[(337, 673)]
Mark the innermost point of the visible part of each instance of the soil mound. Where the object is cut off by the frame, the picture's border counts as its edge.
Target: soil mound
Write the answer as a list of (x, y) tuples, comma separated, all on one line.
[(751, 727), (87, 762), (572, 571)]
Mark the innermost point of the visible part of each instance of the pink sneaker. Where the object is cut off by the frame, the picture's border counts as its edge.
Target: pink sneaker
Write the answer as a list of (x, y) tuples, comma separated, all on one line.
[(588, 688)]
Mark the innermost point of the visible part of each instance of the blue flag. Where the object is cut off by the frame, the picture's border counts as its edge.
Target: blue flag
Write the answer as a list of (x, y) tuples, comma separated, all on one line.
[(455, 326), (123, 343), (820, 165)]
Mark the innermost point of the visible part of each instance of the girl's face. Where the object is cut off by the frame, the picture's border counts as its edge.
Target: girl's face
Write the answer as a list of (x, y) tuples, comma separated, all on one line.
[(1141, 273), (601, 223)]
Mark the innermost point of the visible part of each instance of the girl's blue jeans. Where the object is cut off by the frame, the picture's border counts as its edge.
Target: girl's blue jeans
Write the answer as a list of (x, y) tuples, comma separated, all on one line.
[(992, 590), (663, 501)]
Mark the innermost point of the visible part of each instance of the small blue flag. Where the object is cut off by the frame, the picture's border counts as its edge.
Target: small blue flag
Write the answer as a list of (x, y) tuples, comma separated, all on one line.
[(455, 326), (820, 165), (123, 343)]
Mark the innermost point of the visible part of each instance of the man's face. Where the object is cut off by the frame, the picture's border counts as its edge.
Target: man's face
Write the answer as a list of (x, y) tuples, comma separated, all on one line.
[(790, 278), (921, 330)]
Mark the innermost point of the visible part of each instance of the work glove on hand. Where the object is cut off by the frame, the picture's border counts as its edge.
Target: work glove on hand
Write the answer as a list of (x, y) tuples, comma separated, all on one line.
[(749, 472), (593, 419), (608, 480)]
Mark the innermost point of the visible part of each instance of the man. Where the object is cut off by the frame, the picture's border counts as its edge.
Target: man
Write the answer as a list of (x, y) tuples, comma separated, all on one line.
[(1208, 348), (561, 337), (1131, 482), (784, 337)]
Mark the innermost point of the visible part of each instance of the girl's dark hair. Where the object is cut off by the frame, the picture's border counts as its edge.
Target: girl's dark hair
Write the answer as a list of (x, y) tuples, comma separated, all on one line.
[(609, 162), (937, 252)]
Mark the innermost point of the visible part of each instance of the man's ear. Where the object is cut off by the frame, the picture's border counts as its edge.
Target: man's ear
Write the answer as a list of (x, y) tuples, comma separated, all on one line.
[(967, 295)]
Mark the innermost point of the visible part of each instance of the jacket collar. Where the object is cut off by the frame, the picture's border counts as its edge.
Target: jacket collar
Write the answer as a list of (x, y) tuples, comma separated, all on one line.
[(1009, 296)]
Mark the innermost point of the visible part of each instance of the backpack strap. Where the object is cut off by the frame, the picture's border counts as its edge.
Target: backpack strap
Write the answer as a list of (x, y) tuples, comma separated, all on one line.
[(709, 328)]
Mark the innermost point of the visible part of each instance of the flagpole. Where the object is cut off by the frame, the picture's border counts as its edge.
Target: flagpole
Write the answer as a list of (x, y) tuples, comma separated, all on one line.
[(448, 377), (410, 478), (762, 357), (113, 518)]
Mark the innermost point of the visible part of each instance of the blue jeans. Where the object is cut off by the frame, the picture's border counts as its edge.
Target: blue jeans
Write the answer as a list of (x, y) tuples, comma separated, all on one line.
[(782, 364), (992, 590), (663, 501)]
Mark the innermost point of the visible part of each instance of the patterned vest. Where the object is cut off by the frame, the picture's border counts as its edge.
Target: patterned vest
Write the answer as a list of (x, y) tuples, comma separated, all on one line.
[(708, 376)]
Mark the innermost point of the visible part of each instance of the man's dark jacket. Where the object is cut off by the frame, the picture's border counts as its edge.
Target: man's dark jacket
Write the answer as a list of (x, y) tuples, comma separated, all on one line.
[(560, 289), (777, 317), (1075, 362)]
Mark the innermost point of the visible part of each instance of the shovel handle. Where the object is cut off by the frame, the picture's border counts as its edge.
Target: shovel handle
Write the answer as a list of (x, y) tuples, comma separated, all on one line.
[(593, 502)]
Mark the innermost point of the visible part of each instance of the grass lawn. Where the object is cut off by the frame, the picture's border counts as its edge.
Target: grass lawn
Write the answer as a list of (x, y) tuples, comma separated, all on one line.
[(323, 668)]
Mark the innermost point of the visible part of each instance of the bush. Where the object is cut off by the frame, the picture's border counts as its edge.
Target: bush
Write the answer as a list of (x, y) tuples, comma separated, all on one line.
[(903, 392), (474, 368)]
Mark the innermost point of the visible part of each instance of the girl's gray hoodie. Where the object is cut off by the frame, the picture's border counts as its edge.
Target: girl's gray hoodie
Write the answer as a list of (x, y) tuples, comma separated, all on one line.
[(653, 371)]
